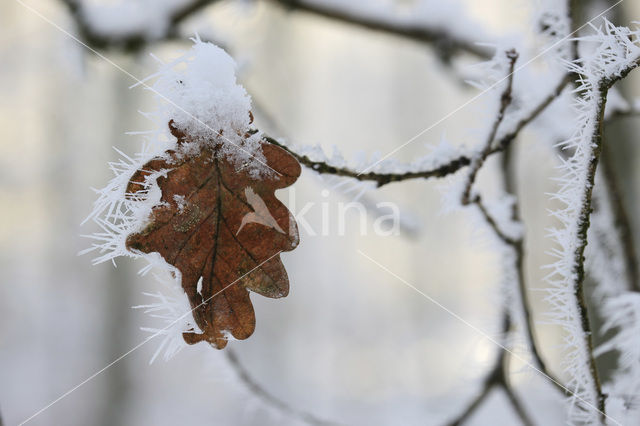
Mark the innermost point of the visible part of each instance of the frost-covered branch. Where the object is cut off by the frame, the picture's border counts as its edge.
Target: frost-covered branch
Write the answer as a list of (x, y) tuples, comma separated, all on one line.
[(513, 245), (616, 54), (325, 167), (443, 38), (478, 161), (507, 136), (267, 397), (512, 242), (441, 166)]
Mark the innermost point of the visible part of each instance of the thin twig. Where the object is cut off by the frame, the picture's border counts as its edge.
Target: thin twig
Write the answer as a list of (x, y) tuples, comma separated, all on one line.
[(506, 139), (505, 101), (267, 397), (477, 200)]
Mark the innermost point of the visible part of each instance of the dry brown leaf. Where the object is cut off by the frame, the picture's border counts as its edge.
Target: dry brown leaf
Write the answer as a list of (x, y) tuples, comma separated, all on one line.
[(223, 226)]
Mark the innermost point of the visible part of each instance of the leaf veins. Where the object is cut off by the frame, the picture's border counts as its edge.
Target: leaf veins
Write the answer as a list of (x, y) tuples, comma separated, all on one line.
[(223, 230)]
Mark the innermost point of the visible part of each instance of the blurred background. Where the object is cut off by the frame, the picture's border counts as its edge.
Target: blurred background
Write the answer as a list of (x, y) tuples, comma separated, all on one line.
[(350, 344)]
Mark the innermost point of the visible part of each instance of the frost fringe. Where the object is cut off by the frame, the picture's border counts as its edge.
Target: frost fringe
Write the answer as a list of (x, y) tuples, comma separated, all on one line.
[(616, 53)]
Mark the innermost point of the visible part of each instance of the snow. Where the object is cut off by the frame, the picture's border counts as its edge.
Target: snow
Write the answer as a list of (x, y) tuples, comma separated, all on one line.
[(171, 307), (199, 92)]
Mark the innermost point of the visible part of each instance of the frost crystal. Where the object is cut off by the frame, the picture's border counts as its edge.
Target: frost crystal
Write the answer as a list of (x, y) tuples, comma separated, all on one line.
[(173, 310)]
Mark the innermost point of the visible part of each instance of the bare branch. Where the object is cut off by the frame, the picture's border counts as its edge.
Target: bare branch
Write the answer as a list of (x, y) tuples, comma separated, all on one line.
[(268, 398)]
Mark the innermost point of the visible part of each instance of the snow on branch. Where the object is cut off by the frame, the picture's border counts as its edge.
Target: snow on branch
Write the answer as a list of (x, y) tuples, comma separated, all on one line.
[(442, 25), (130, 25), (616, 53)]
